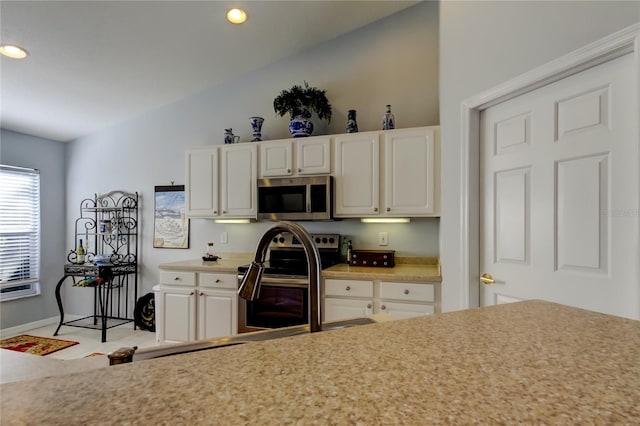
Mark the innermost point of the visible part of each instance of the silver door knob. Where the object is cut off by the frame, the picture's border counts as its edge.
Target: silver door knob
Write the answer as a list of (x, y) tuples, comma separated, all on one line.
[(487, 279)]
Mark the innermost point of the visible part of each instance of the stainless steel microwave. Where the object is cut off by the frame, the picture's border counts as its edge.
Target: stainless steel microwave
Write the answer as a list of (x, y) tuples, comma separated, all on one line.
[(295, 198)]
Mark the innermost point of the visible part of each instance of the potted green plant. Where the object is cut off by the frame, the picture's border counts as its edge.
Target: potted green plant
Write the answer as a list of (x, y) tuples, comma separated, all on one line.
[(299, 102)]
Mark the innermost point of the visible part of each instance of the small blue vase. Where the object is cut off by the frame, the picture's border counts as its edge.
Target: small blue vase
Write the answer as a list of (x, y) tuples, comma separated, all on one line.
[(300, 126), (352, 125)]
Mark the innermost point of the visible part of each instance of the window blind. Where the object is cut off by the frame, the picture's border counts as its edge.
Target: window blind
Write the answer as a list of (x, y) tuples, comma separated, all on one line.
[(19, 232)]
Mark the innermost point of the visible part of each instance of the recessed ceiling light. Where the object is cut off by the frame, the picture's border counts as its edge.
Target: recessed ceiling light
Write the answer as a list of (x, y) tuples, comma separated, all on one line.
[(236, 16), (13, 51)]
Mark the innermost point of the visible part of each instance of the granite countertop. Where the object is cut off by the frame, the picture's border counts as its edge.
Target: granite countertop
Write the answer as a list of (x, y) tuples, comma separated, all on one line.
[(406, 269), (528, 362), (228, 262)]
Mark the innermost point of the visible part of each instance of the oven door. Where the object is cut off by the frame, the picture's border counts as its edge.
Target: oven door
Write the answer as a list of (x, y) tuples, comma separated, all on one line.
[(283, 302)]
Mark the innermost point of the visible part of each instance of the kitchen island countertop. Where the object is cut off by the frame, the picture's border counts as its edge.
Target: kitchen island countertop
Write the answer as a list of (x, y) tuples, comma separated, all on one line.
[(529, 362)]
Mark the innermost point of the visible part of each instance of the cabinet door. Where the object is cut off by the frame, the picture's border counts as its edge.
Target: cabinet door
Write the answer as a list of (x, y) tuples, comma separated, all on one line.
[(357, 185), (238, 170), (276, 158), (339, 309), (201, 182), (404, 310), (410, 172), (179, 314), (313, 156), (217, 313)]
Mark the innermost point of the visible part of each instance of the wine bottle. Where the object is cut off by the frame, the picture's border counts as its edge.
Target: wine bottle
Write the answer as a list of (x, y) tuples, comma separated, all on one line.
[(80, 253)]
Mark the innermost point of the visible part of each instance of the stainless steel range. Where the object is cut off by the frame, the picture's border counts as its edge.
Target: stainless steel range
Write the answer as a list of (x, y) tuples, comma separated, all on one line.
[(284, 293)]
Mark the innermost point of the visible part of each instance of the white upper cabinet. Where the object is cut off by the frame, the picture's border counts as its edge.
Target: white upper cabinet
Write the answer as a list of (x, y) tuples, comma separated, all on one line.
[(312, 157), (201, 186), (222, 181), (276, 158), (356, 172), (404, 181), (411, 172), (238, 180)]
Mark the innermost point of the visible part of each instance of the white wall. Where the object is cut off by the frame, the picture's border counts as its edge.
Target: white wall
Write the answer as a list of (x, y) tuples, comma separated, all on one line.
[(47, 156), (392, 61), (483, 44)]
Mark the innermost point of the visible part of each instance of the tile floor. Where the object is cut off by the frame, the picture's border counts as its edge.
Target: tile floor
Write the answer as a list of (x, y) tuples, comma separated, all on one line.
[(89, 339)]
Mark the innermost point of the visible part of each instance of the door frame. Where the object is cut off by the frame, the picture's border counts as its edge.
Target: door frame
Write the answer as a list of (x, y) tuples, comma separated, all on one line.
[(620, 43)]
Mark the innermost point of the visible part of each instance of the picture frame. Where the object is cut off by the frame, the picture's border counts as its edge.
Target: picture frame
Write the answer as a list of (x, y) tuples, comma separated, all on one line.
[(170, 222)]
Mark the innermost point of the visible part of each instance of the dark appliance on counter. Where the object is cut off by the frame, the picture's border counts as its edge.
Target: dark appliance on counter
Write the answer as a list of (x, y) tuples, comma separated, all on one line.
[(295, 198), (284, 292)]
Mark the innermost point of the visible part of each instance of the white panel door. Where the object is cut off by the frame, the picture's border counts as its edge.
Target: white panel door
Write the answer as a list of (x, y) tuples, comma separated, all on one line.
[(313, 156), (217, 313), (201, 186), (238, 180), (276, 158), (410, 172), (559, 193), (357, 175), (179, 319), (340, 309)]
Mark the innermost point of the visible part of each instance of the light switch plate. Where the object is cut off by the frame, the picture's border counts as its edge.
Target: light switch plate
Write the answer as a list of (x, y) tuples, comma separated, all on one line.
[(224, 237), (383, 239)]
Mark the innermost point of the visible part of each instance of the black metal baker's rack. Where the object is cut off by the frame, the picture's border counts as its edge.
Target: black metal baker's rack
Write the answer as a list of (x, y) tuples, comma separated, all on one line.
[(108, 224)]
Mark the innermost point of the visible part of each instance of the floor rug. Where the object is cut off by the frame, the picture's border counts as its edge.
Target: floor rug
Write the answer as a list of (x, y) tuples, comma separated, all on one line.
[(35, 345)]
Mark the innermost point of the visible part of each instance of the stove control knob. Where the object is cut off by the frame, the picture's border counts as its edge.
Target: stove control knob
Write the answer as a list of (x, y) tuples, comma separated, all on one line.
[(317, 240), (332, 240), (324, 240), (281, 240), (275, 239)]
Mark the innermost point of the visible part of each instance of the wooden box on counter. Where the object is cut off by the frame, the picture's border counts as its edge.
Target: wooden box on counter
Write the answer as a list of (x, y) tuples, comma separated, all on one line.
[(376, 258)]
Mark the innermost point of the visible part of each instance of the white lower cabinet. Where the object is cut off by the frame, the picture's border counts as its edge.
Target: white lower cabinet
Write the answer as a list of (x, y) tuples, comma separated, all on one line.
[(345, 299), (196, 306)]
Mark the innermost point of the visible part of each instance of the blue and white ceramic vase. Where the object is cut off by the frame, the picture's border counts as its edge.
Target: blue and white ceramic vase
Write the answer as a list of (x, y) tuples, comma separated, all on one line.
[(352, 125), (388, 120), (256, 125), (300, 126), (229, 137)]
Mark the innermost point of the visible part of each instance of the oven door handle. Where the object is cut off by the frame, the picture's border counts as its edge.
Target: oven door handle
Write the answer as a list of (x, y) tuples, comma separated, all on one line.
[(287, 281)]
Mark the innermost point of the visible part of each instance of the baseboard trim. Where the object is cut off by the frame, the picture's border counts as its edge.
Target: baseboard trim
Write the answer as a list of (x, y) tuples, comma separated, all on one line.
[(19, 329)]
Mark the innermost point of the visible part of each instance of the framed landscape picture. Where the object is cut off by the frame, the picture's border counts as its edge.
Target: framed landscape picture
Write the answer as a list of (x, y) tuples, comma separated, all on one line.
[(170, 223)]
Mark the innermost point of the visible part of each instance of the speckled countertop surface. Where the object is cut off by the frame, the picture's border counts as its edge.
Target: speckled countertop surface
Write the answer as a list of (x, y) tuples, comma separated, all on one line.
[(228, 262), (523, 363), (422, 272)]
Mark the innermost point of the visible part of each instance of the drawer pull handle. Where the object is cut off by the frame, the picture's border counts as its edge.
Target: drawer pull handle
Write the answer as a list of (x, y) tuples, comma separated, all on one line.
[(299, 170), (218, 280), (383, 307), (388, 209), (406, 292), (201, 294), (375, 209), (191, 294), (215, 212), (348, 288), (288, 170), (369, 306), (176, 278)]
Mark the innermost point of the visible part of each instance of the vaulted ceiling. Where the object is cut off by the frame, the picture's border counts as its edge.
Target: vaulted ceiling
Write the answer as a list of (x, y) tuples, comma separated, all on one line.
[(95, 63)]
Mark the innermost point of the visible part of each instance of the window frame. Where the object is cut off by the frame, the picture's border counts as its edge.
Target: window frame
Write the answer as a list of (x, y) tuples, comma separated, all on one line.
[(22, 229)]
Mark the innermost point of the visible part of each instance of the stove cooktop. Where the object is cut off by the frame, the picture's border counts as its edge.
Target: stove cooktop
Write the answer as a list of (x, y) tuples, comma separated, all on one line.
[(287, 257)]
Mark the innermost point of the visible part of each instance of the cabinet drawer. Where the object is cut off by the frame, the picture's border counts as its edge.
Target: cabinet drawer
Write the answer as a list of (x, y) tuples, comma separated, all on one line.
[(177, 278), (407, 291), (348, 288), (218, 280)]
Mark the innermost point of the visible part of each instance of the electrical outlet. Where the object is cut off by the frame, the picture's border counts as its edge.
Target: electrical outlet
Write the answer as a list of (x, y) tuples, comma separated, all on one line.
[(383, 239), (224, 237)]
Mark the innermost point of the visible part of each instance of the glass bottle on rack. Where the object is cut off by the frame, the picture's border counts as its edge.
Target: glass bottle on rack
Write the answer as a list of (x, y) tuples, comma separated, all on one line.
[(80, 252)]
